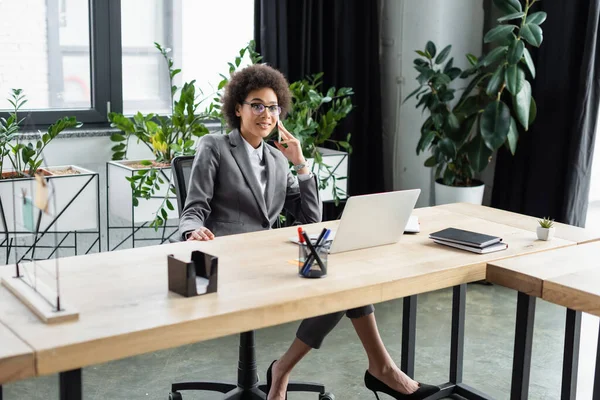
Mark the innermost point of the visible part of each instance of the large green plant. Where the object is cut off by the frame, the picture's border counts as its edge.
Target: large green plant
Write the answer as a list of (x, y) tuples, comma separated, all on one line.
[(313, 117), (167, 136), (25, 159), (463, 134)]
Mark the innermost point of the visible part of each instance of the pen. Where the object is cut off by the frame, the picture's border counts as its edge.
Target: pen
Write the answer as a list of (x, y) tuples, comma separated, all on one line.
[(300, 237), (313, 251)]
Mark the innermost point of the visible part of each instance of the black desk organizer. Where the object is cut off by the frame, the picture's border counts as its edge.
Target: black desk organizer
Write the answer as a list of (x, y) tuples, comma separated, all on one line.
[(182, 275)]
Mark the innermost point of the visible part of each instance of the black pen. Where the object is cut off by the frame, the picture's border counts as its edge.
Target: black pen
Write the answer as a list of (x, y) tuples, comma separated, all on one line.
[(313, 251)]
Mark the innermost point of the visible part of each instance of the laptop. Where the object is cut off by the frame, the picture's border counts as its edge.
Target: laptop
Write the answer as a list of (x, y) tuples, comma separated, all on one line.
[(373, 220)]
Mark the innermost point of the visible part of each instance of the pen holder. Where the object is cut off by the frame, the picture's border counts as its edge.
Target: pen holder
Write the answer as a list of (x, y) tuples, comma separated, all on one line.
[(313, 269), (193, 278)]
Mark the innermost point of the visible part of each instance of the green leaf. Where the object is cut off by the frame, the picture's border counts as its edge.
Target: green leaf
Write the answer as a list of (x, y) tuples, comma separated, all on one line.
[(430, 49), (479, 78), (170, 205), (511, 16), (465, 129), (515, 79), (425, 141), (479, 154), (412, 94), (146, 162), (533, 34), (498, 32), (443, 55), (136, 202), (163, 212), (509, 6), (422, 53), (529, 62), (522, 105), (453, 122), (449, 177), (532, 111), (493, 56), (447, 147), (453, 73), (495, 124), (537, 18), (515, 51), (115, 137), (495, 82), (431, 162), (473, 60), (438, 120), (449, 65), (513, 136)]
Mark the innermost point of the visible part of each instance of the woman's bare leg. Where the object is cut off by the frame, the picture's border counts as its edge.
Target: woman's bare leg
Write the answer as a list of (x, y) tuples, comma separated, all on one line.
[(283, 367), (381, 364)]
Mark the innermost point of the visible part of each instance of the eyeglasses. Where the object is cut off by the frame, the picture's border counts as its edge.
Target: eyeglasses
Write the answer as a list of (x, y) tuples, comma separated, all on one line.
[(259, 108)]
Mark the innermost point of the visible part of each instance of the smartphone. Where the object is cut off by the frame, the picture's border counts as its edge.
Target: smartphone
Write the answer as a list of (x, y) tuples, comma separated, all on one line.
[(278, 130)]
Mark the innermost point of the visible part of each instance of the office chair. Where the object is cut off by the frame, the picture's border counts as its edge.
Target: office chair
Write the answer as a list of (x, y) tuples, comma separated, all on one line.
[(247, 386)]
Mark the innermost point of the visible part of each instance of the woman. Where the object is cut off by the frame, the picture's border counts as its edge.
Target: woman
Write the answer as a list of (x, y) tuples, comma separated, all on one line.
[(240, 184)]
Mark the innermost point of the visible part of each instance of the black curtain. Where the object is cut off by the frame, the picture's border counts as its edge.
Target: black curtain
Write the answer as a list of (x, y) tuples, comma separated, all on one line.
[(341, 39), (550, 173)]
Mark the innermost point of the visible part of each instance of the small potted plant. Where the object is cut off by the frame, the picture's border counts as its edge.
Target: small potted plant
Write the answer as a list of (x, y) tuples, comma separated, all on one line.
[(546, 229)]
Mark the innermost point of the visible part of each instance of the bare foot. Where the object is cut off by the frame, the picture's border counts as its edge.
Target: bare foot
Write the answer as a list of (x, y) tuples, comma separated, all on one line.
[(392, 376), (279, 382)]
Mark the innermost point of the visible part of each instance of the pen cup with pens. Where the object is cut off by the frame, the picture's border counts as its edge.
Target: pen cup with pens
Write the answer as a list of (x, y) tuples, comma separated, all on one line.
[(312, 255)]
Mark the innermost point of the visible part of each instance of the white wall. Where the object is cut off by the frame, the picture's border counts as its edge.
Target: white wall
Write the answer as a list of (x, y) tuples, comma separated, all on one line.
[(406, 26)]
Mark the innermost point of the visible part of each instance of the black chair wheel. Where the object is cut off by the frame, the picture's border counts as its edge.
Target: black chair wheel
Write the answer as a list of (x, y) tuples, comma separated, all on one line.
[(326, 396), (175, 396)]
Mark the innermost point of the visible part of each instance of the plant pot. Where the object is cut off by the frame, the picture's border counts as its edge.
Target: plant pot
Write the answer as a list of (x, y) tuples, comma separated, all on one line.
[(459, 194), (338, 167), (120, 195), (545, 233), (73, 195)]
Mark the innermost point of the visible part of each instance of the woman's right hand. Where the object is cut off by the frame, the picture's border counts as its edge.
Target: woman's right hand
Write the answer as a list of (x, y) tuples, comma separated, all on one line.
[(201, 234)]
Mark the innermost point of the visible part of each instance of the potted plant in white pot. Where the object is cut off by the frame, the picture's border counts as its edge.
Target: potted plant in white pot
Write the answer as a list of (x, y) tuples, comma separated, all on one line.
[(74, 194), (463, 134), (545, 231)]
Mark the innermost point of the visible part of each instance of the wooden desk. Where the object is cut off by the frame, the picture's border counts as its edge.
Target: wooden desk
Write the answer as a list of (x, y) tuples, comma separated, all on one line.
[(16, 357), (563, 231), (569, 277), (126, 310)]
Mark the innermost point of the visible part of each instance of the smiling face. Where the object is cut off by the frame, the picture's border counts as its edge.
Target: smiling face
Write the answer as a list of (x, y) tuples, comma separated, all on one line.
[(255, 127)]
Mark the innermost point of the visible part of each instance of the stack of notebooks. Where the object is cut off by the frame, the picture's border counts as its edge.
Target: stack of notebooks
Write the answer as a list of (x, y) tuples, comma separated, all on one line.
[(467, 240)]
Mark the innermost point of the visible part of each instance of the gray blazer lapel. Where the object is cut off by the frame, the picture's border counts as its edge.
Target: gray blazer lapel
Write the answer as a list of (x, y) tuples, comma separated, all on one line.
[(271, 175), (241, 158)]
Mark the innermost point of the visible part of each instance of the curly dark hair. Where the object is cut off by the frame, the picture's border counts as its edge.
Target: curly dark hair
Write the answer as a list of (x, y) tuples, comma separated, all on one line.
[(253, 77)]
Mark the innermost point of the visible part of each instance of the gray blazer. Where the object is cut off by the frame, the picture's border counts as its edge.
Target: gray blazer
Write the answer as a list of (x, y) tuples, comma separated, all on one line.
[(225, 196)]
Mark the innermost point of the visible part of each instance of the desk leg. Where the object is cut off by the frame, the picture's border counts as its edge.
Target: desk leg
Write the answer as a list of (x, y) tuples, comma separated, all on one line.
[(409, 333), (596, 394), (457, 343), (0, 392), (571, 355), (522, 350), (70, 385)]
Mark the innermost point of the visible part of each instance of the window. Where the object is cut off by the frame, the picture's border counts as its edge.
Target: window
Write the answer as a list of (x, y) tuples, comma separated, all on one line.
[(84, 58), (201, 39), (47, 54)]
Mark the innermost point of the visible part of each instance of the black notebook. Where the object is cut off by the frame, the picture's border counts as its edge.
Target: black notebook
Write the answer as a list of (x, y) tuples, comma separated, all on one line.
[(467, 238)]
